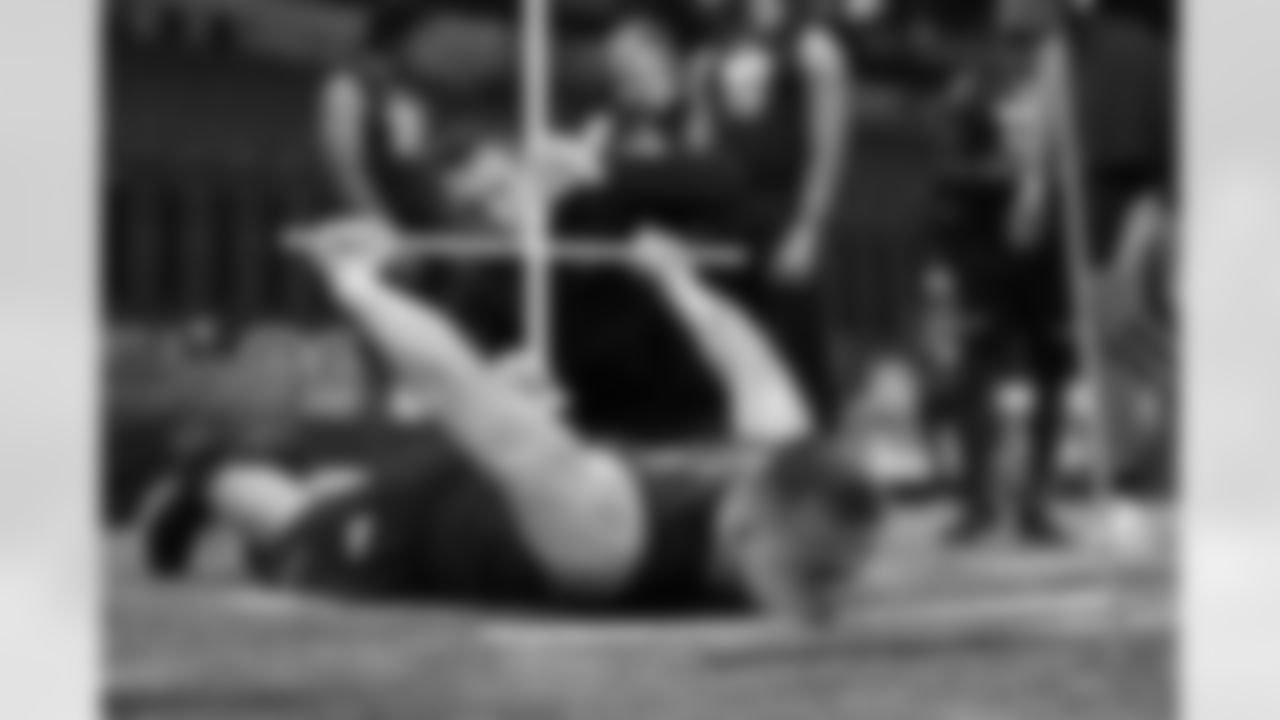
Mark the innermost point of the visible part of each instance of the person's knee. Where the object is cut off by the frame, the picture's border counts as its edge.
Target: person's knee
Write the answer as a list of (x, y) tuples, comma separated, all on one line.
[(588, 527), (772, 413)]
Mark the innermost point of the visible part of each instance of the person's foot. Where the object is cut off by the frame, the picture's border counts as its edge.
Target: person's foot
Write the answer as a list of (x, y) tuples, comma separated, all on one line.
[(969, 530)]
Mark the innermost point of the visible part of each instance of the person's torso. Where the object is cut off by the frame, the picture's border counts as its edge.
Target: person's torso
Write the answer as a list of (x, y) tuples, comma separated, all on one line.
[(1123, 96), (1007, 135), (397, 154)]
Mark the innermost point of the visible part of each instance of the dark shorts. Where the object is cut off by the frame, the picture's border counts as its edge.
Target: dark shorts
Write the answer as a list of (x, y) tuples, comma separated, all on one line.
[(431, 526), (427, 526)]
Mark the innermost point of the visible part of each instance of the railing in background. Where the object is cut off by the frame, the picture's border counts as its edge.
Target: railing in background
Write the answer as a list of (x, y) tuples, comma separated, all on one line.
[(196, 231), (183, 244)]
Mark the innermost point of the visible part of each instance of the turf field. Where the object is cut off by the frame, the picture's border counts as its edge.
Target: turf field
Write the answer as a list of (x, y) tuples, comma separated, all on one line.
[(986, 634)]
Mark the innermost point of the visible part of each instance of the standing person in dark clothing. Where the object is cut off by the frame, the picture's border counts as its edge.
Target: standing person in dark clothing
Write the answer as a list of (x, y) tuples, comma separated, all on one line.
[(773, 96), (1017, 320), (379, 138), (1013, 285), (637, 162), (1017, 288), (631, 166), (1125, 87), (375, 128)]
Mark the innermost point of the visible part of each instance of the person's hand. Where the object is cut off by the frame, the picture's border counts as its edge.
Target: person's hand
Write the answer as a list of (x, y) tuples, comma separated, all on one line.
[(795, 262), (569, 162), (360, 241), (659, 253), (485, 186)]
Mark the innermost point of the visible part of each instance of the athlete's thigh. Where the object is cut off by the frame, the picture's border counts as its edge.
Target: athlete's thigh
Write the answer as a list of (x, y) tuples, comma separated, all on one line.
[(575, 504), (775, 402), (587, 524)]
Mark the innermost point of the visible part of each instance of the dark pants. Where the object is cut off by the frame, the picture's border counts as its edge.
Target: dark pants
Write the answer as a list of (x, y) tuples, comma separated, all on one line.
[(1022, 304), (1021, 326)]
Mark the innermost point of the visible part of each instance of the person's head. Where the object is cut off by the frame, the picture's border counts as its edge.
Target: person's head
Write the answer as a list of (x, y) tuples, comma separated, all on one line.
[(797, 534), (643, 64)]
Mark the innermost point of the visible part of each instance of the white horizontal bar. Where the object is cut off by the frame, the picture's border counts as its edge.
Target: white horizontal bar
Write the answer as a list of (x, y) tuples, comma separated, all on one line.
[(578, 251)]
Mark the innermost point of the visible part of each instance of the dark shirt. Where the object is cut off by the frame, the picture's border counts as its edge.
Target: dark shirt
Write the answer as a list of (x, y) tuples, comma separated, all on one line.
[(1125, 122), (769, 141), (655, 178), (1125, 97)]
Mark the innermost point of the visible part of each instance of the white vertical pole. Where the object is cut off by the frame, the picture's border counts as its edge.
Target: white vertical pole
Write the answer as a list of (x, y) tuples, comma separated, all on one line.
[(535, 103), (1083, 296)]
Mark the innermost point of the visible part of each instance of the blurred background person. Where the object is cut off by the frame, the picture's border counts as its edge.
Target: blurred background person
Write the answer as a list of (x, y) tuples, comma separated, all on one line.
[(1009, 242), (773, 95), (633, 167), (382, 141), (1015, 288), (376, 138)]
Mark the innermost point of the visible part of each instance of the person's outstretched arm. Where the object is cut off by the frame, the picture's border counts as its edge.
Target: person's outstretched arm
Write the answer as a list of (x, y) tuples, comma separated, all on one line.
[(765, 402), (829, 102)]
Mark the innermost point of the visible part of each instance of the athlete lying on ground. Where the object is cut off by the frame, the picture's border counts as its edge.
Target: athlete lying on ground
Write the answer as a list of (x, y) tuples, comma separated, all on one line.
[(514, 506)]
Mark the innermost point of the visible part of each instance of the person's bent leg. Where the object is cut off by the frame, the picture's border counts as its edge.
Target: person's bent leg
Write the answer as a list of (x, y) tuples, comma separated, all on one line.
[(577, 505), (764, 399)]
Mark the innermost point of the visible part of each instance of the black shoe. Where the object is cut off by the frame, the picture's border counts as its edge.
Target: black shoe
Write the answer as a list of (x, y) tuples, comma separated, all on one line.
[(1037, 528), (178, 516), (970, 530)]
